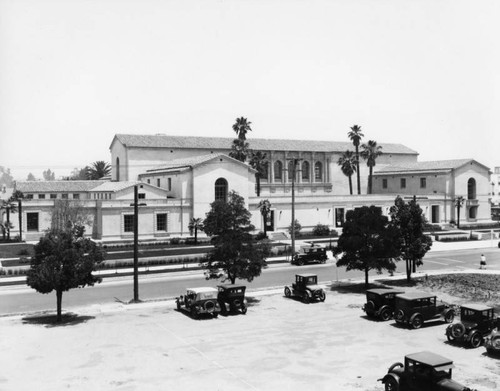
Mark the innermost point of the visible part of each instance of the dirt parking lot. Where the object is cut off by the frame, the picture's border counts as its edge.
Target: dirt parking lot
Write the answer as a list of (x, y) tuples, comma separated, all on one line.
[(281, 344)]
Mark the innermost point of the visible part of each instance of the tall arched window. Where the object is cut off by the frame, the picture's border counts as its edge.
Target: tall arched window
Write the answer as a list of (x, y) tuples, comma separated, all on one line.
[(278, 171), (221, 190), (318, 172), (265, 171), (306, 168), (471, 189), (117, 168)]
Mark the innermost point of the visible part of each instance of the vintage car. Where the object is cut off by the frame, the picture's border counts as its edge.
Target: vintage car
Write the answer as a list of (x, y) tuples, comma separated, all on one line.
[(422, 371), (380, 302), (476, 322), (417, 307), (492, 341), (306, 287), (232, 298), (313, 253), (199, 301)]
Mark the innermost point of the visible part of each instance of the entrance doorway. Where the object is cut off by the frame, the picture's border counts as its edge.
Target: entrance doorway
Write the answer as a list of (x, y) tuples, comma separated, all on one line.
[(435, 214)]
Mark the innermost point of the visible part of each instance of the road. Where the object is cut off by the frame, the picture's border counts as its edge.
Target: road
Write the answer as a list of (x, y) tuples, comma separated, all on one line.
[(21, 299)]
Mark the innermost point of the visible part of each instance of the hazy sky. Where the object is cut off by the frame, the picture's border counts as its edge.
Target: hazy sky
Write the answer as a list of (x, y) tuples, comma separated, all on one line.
[(73, 73)]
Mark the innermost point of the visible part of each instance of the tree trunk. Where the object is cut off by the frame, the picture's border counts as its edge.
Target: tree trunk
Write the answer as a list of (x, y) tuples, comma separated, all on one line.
[(350, 184), (265, 225), (357, 169), (257, 181), (8, 223), (458, 216), (370, 176), (366, 277), (20, 210), (414, 263), (59, 304), (232, 278), (408, 270), (195, 235)]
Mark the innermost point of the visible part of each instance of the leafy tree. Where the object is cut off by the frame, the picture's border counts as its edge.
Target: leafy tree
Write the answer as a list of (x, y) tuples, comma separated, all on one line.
[(234, 254), (321, 230), (259, 164), (348, 164), (64, 260), (67, 214), (79, 174), (9, 206), (239, 150), (355, 135), (48, 175), (459, 202), (6, 178), (410, 220), (98, 170), (297, 227), (241, 127), (31, 177), (368, 241), (195, 225), (371, 151), (265, 210)]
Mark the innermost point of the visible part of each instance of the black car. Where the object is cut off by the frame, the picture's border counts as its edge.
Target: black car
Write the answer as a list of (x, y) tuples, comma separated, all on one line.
[(232, 298), (476, 322), (306, 287), (380, 302), (415, 308)]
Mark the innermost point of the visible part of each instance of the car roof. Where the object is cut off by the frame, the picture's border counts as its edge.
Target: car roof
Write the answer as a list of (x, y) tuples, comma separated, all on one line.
[(416, 295), (202, 289), (307, 275), (429, 358), (225, 286), (381, 291), (476, 307)]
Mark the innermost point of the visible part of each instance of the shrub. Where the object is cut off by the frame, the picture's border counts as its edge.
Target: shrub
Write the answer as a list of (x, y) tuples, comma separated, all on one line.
[(175, 241), (23, 252), (298, 227), (260, 236), (321, 230)]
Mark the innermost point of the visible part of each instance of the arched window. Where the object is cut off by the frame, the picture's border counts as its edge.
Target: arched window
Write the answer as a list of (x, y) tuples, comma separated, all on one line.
[(472, 212), (471, 189), (306, 168), (265, 171), (117, 168), (221, 190), (318, 172), (278, 171)]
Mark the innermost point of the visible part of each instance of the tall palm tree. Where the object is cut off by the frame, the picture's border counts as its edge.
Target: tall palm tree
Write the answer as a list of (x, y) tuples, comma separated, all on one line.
[(371, 151), (258, 163), (10, 207), (265, 209), (195, 225), (355, 135), (242, 127), (347, 163), (98, 170), (459, 202), (18, 196)]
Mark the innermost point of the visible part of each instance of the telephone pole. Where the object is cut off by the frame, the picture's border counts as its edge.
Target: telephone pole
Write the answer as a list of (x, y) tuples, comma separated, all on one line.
[(294, 171), (136, 242)]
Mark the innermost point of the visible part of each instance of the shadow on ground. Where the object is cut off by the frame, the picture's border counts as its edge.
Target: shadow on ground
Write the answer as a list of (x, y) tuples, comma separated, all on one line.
[(68, 319)]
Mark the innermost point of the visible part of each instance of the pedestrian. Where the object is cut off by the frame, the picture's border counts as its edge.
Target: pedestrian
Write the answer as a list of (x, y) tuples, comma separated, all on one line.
[(482, 263)]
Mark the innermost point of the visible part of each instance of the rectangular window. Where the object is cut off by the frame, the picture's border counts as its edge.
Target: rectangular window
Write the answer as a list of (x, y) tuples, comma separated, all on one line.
[(339, 217), (423, 183), (32, 221), (158, 182), (161, 222), (128, 223), (53, 196), (29, 196), (64, 196), (149, 181), (76, 196), (403, 183), (141, 196), (41, 196), (384, 183), (169, 184)]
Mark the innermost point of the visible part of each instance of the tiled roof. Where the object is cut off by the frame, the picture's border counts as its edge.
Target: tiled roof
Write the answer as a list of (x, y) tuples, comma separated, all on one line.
[(115, 186), (436, 165), (224, 143), (186, 162), (56, 186)]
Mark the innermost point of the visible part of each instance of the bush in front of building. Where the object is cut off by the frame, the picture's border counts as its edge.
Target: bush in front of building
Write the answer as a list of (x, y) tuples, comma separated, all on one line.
[(321, 230), (298, 227)]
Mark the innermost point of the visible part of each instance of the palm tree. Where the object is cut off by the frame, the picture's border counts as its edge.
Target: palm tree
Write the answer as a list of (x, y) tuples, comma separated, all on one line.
[(265, 209), (98, 170), (459, 202), (371, 151), (9, 208), (242, 127), (258, 163), (18, 196), (347, 163), (355, 135), (195, 225)]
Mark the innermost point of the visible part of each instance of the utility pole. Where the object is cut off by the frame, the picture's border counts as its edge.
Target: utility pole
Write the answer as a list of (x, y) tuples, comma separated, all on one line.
[(136, 242), (294, 166)]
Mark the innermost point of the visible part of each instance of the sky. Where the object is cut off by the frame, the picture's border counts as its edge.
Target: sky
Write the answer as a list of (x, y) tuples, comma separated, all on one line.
[(73, 73)]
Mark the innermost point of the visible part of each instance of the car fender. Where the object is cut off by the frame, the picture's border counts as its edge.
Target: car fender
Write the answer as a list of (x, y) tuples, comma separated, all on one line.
[(389, 376), (379, 311)]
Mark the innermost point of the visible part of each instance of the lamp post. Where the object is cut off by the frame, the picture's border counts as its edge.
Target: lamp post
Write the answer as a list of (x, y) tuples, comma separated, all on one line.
[(136, 241)]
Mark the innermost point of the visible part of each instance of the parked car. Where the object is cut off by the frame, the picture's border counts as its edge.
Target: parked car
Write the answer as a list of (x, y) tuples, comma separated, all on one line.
[(476, 322), (380, 302), (306, 287), (422, 371), (232, 298), (492, 341), (313, 253), (199, 301), (417, 307)]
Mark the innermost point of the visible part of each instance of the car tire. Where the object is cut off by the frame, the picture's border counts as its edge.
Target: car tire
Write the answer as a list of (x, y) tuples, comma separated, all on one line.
[(400, 316), (391, 384), (476, 340), (449, 334), (209, 307), (321, 296), (288, 292), (385, 314), (457, 330), (305, 298), (449, 316), (370, 308), (300, 262), (243, 309), (416, 321), (194, 314)]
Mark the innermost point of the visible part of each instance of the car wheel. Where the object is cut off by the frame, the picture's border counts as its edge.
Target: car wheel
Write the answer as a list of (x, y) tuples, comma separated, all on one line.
[(243, 309), (416, 321), (457, 330), (194, 314), (385, 314), (400, 316), (391, 384), (476, 340), (305, 298), (321, 296), (496, 343), (370, 307), (449, 316), (288, 292), (449, 335), (300, 262), (178, 305)]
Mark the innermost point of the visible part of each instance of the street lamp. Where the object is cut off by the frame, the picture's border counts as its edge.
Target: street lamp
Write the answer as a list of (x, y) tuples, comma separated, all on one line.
[(136, 205)]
